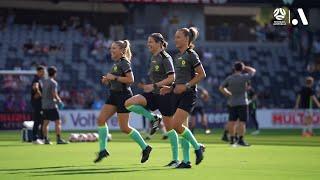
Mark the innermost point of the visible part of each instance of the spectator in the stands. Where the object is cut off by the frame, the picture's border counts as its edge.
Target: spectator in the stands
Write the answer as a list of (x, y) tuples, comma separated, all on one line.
[(65, 96), (75, 22), (270, 32), (207, 55), (37, 49), (316, 47), (28, 47), (260, 33), (116, 31), (21, 104), (97, 103), (63, 26), (89, 98), (9, 104), (10, 19), (17, 66), (241, 32), (164, 24), (101, 47), (305, 46), (225, 32)]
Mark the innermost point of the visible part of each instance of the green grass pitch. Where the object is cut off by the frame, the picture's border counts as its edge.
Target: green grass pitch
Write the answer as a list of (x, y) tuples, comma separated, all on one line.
[(275, 154)]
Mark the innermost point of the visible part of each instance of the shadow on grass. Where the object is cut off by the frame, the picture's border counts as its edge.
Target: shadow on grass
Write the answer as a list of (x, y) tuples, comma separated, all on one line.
[(66, 170), (37, 168), (13, 145), (112, 170)]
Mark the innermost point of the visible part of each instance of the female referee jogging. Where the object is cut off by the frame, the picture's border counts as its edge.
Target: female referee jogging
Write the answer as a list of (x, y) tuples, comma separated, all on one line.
[(189, 71), (161, 73), (119, 79)]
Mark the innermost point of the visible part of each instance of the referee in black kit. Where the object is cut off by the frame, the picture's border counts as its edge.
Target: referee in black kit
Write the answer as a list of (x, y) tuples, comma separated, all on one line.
[(36, 93)]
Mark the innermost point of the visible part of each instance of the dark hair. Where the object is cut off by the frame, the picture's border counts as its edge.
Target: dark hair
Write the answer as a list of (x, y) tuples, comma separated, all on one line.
[(125, 46), (52, 71), (238, 66), (192, 33), (40, 67), (158, 38)]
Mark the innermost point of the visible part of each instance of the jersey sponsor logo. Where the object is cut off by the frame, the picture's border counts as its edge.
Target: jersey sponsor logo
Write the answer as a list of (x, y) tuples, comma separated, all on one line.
[(183, 63), (115, 68), (157, 68)]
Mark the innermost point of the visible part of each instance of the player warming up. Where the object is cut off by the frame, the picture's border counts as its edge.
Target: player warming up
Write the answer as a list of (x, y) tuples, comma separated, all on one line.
[(119, 80)]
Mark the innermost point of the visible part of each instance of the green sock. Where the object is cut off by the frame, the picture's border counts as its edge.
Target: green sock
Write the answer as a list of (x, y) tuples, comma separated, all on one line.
[(187, 134), (103, 131), (142, 111), (135, 135), (173, 137), (185, 145)]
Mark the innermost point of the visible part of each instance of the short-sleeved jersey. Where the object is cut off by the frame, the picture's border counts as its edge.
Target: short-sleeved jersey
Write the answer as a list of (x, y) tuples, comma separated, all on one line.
[(306, 94), (120, 68), (36, 102), (184, 65), (236, 84), (160, 67), (48, 87)]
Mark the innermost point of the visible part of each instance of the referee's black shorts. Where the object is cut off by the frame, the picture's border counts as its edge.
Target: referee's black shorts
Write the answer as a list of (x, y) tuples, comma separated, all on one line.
[(164, 103), (186, 100), (118, 98)]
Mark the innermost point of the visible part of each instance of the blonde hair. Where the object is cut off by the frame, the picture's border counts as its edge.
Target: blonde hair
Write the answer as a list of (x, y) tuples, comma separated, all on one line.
[(125, 46), (192, 33), (309, 81)]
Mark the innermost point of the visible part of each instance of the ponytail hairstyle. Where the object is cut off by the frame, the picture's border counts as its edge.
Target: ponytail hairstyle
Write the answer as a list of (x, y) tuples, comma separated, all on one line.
[(192, 33), (158, 38), (125, 46)]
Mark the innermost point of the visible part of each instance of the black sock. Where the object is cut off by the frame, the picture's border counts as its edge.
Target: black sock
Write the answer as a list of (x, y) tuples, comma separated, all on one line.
[(45, 137), (240, 138), (58, 137), (225, 132), (232, 139)]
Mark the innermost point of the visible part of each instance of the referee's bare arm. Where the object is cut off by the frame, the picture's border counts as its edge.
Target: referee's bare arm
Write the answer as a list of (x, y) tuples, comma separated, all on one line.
[(127, 79)]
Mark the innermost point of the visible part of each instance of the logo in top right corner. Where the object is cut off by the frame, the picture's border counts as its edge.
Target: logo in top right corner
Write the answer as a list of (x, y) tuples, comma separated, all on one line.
[(283, 17)]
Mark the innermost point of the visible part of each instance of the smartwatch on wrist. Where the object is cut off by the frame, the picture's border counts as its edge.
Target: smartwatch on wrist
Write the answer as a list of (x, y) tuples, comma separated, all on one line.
[(188, 85), (155, 86)]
